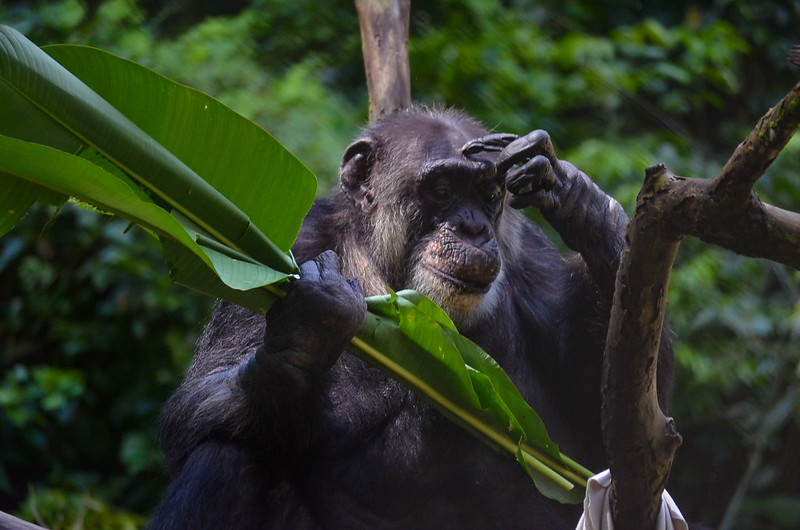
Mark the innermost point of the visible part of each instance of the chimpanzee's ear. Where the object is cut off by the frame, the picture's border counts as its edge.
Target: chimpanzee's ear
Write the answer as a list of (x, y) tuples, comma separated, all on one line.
[(355, 171)]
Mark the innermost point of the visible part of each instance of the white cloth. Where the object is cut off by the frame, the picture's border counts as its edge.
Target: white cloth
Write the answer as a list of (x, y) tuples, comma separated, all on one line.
[(597, 508)]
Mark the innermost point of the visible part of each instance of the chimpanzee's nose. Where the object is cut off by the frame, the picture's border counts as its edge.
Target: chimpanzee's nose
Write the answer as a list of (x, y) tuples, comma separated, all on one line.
[(472, 228)]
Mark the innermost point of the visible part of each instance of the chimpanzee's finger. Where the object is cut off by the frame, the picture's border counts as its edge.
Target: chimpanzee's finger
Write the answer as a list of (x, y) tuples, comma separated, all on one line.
[(544, 199), (490, 142), (534, 174), (532, 144), (329, 264)]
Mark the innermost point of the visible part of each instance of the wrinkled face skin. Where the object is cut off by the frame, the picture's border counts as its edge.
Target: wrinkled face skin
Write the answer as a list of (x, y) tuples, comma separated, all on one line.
[(457, 261), (441, 217)]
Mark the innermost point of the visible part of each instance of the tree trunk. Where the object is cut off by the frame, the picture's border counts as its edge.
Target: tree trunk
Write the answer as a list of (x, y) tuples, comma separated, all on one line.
[(384, 44)]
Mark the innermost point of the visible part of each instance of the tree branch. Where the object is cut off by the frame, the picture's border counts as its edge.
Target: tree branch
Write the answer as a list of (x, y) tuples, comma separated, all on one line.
[(640, 440), (384, 44), (759, 231), (753, 156), (699, 208)]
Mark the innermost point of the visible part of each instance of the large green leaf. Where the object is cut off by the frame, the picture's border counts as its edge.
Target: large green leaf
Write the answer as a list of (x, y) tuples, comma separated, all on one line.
[(233, 154), (48, 88), (206, 268), (75, 176), (188, 269), (17, 197)]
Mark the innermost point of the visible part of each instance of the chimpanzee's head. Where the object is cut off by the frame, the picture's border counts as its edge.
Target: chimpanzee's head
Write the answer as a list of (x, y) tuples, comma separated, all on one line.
[(428, 214)]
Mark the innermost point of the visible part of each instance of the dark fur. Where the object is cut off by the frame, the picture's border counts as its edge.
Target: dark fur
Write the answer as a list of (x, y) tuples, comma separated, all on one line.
[(276, 440)]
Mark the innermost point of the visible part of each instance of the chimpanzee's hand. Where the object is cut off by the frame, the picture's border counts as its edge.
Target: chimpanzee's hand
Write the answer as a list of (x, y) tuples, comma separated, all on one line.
[(536, 177), (320, 314), (587, 219), (534, 174)]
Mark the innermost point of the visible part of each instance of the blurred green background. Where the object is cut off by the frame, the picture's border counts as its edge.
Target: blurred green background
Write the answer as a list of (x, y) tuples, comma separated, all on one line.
[(93, 335)]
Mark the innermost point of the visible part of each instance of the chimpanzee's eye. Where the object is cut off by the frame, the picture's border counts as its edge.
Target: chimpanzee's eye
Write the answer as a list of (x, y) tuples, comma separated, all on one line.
[(440, 191), (491, 193)]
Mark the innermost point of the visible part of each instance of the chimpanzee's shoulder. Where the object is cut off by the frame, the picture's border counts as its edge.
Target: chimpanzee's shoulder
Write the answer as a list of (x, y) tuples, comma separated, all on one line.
[(317, 232)]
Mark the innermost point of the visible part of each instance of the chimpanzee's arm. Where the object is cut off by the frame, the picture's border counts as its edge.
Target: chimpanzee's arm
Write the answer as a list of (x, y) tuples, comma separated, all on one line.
[(266, 393), (588, 220)]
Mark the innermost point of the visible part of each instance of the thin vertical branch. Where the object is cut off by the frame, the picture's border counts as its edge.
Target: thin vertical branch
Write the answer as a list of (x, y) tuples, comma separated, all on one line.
[(384, 43)]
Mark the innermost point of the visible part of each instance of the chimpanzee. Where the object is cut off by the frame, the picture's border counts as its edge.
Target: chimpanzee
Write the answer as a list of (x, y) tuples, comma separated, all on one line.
[(275, 428)]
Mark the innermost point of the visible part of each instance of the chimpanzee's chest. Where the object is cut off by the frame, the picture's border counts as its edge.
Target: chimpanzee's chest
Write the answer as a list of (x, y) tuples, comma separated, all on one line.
[(389, 460)]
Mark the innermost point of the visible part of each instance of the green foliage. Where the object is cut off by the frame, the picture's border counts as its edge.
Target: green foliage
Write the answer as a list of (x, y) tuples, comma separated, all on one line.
[(737, 377), (93, 337), (137, 140), (66, 510), (30, 397), (618, 86)]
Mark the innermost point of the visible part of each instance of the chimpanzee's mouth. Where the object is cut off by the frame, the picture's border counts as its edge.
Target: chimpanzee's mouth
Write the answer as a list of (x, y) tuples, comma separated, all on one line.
[(466, 285)]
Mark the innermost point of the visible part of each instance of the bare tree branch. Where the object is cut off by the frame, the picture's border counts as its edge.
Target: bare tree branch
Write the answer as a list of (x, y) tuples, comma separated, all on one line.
[(640, 440), (753, 156), (759, 231), (699, 208), (384, 44)]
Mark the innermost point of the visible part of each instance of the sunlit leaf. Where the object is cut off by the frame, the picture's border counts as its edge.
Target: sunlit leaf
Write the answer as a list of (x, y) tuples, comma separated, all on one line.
[(21, 162), (233, 154), (49, 89)]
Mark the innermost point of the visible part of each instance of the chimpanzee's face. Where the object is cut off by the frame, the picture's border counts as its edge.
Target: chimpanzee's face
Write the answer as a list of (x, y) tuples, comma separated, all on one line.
[(431, 212), (451, 205)]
